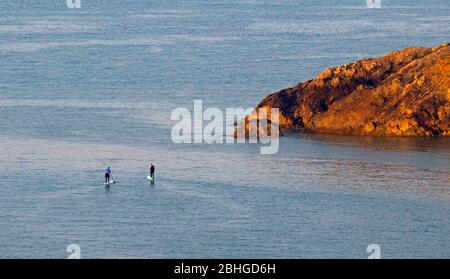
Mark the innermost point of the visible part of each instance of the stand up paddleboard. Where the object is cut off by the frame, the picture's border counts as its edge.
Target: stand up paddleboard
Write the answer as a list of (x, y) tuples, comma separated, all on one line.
[(109, 183), (150, 179)]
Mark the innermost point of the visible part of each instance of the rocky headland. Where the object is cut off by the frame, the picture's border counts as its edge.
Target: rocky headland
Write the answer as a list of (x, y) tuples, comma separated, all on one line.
[(403, 93)]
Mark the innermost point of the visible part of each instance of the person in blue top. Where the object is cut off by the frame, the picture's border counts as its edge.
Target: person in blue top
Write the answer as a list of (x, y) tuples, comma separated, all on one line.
[(107, 175)]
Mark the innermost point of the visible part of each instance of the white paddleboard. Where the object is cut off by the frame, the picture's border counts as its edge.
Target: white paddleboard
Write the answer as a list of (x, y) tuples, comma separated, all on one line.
[(149, 178)]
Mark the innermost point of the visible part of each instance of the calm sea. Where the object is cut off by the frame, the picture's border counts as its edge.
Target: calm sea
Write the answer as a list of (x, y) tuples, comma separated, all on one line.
[(84, 88)]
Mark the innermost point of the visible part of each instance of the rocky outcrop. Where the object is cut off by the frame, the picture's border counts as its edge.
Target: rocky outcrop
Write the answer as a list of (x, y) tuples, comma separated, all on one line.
[(404, 93)]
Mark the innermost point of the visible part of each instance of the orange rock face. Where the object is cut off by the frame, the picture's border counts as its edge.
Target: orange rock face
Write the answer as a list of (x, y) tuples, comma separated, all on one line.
[(404, 93)]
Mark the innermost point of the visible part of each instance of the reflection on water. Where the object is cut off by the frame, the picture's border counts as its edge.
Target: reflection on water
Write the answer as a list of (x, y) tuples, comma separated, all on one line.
[(386, 144), (345, 170)]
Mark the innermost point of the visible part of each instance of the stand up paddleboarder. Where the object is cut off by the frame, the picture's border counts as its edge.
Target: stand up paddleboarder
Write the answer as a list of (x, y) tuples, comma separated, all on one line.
[(152, 171), (108, 175)]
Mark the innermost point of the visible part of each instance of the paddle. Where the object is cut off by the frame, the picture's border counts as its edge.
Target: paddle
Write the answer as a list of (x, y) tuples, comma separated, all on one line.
[(112, 179)]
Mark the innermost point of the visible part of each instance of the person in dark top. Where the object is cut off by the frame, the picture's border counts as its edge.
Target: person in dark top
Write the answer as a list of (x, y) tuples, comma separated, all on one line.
[(152, 171)]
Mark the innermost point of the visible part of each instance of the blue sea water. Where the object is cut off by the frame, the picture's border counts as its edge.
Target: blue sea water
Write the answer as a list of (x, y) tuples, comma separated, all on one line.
[(84, 88)]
